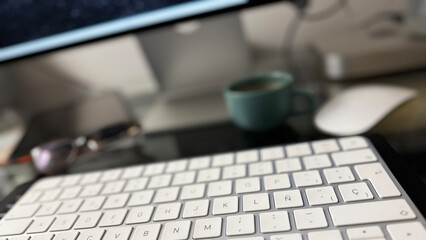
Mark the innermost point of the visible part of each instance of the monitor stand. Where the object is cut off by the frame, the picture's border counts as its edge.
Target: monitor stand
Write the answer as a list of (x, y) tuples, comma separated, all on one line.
[(193, 62)]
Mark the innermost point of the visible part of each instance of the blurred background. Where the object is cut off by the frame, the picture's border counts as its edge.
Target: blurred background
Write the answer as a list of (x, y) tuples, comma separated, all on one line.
[(78, 90)]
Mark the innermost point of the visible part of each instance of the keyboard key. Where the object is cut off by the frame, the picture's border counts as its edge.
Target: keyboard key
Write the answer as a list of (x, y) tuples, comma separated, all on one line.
[(17, 238), (349, 143), (361, 233), (50, 195), (297, 150), (111, 175), (329, 235), (113, 218), (176, 230), (316, 162), (132, 172), (208, 228), (166, 195), (271, 153), (249, 238), (48, 209), (140, 215), (70, 193), (221, 188), (160, 181), (379, 178), (47, 183), (221, 160), (353, 157), (71, 180), (307, 178), (141, 198), (147, 232), (30, 197), (116, 201), (66, 236), (47, 236), (121, 233), (271, 222), (276, 182), (247, 156), (63, 222), (92, 234), (310, 218), (92, 204), (225, 205), (240, 225), (176, 166), (292, 236), (70, 206), (168, 211), (193, 191), (88, 220), (325, 146), (208, 175), (288, 165), (199, 163), (262, 168), (184, 178), (13, 227), (355, 192), (91, 190), (136, 184), (288, 199), (231, 172), (407, 231), (360, 213), (198, 208), (154, 169), (24, 211), (90, 178), (256, 202), (338, 175), (113, 187), (321, 195), (247, 185)]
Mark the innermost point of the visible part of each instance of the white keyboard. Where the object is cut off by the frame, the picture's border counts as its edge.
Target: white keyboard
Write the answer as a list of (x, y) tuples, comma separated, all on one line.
[(323, 190)]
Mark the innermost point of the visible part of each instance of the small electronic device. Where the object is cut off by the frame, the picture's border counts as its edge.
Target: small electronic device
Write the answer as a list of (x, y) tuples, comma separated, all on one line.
[(336, 189), (358, 109)]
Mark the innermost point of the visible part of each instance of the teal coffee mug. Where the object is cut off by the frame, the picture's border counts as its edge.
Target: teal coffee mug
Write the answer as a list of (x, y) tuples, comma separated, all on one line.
[(264, 101)]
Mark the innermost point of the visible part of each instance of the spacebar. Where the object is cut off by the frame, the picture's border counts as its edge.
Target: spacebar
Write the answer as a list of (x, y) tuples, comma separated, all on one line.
[(371, 212)]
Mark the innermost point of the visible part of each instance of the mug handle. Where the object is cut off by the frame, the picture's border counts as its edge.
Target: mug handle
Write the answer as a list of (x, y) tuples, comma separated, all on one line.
[(307, 95)]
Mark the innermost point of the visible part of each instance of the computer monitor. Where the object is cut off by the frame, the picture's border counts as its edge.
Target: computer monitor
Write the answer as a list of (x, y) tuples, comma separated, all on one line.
[(29, 27)]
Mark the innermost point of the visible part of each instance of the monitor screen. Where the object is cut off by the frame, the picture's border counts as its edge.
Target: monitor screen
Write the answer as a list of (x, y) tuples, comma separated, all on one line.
[(33, 26)]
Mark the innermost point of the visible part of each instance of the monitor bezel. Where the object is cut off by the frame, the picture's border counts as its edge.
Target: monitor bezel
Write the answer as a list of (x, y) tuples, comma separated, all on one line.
[(249, 4)]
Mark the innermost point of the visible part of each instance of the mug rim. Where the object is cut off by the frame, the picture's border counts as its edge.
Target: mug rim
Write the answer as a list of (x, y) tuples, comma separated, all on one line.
[(282, 76)]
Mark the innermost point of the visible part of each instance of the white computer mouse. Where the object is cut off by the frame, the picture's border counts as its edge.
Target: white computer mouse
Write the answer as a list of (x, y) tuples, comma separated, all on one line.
[(358, 109)]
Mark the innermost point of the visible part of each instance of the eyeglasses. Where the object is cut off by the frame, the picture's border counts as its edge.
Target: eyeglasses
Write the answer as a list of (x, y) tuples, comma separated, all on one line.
[(57, 155)]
